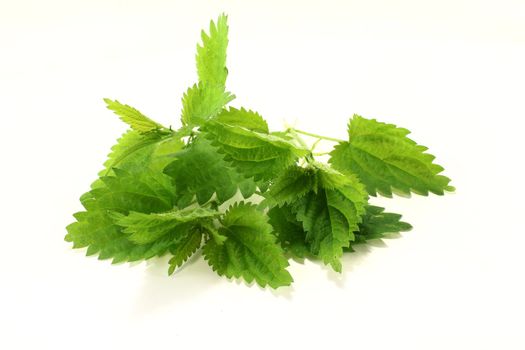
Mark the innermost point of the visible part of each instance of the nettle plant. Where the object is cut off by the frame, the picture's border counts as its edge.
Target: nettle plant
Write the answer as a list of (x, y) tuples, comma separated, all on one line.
[(249, 197)]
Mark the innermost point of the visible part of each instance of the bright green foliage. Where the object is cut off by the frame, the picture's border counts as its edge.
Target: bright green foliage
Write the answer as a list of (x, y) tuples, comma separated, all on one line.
[(137, 184), (122, 193), (289, 231), (376, 224), (203, 101), (319, 211), (211, 55), (97, 231), (145, 192), (133, 151), (200, 171), (249, 197), (250, 250), (330, 214), (185, 248), (293, 184), (385, 159), (244, 138), (129, 115), (146, 228)]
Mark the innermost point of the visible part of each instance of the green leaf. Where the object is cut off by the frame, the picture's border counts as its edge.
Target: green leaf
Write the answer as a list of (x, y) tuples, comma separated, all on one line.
[(250, 250), (135, 151), (213, 232), (122, 192), (129, 115), (387, 161), (203, 101), (96, 230), (293, 184), (211, 55), (331, 214), (144, 192), (376, 224), (289, 231), (158, 194), (200, 171), (243, 137), (145, 228), (184, 249), (243, 118), (137, 184)]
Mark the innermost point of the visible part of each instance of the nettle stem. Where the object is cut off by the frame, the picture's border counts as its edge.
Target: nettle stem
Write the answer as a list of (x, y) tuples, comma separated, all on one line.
[(298, 138), (333, 139), (310, 157)]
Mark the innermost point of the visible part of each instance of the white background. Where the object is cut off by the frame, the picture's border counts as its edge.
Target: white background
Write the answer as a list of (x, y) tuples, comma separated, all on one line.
[(450, 71)]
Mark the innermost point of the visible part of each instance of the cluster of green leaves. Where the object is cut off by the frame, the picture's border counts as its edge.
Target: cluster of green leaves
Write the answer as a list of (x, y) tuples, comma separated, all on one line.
[(249, 198)]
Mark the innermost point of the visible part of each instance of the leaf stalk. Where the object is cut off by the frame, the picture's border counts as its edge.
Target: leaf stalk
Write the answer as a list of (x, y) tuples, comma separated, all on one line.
[(333, 139)]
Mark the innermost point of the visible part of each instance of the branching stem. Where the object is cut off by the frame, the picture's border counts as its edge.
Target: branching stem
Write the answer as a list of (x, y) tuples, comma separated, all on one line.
[(309, 157), (315, 145)]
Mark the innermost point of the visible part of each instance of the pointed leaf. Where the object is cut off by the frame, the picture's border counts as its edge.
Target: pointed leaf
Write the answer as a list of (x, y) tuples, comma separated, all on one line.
[(140, 187), (145, 228), (211, 55), (331, 214), (243, 137), (386, 160), (376, 224), (129, 115), (250, 250), (184, 249), (133, 151), (293, 184), (203, 101), (199, 170), (96, 230), (289, 231)]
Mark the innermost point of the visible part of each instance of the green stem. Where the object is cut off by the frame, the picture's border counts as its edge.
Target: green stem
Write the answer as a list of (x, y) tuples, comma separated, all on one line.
[(211, 203), (320, 153), (298, 138), (309, 157), (315, 145), (317, 136)]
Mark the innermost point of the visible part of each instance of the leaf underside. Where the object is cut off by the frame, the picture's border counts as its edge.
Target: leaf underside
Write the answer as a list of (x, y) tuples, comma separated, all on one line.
[(131, 116), (377, 224)]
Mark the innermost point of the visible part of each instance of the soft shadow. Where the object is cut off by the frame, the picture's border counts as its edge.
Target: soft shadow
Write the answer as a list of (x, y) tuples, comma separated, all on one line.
[(351, 260), (159, 289), (285, 292), (190, 280), (195, 276)]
